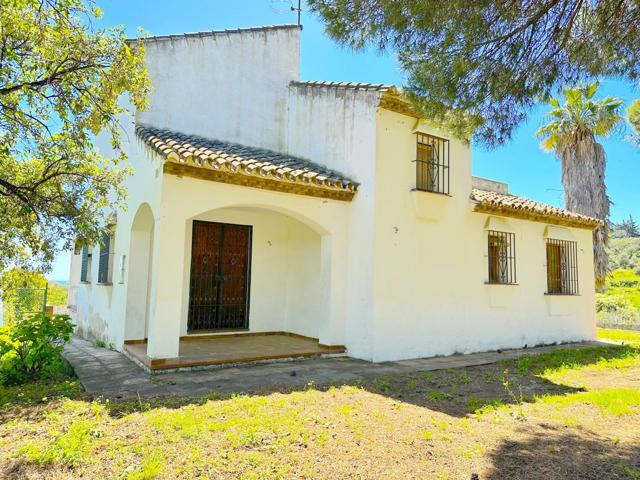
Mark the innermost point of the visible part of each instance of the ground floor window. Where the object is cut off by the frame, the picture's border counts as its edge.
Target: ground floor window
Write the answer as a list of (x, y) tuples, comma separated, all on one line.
[(502, 257), (105, 261), (85, 265), (562, 267)]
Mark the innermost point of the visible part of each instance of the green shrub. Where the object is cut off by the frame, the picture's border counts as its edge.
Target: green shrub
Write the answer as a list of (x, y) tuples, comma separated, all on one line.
[(616, 310), (31, 348), (612, 303), (626, 283)]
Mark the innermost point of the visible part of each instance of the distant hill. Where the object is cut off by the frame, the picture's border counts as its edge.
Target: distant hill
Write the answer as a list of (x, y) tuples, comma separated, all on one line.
[(619, 304), (624, 253)]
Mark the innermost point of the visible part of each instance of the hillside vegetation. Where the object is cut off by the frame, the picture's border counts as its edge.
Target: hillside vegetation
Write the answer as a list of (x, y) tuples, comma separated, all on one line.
[(624, 253), (619, 303)]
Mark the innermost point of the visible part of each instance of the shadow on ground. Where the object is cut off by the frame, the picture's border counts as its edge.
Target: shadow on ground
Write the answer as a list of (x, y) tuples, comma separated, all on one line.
[(532, 450), (457, 392), (553, 453)]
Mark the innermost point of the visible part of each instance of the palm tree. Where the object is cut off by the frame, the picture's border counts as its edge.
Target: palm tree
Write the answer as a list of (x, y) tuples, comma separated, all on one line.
[(572, 135)]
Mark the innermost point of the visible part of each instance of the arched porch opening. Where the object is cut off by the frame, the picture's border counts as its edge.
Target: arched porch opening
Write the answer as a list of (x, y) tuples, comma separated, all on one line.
[(255, 269), (139, 274)]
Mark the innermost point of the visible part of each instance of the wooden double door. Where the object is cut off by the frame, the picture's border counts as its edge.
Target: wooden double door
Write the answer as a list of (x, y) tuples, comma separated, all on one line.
[(220, 276)]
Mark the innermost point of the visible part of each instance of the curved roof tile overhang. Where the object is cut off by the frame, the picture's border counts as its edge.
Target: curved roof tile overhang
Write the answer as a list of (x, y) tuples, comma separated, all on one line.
[(368, 87), (194, 156), (519, 207), (391, 97)]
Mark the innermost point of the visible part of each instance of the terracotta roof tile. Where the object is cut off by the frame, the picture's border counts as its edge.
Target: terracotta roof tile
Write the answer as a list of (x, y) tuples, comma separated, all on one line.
[(375, 87), (515, 206), (244, 161)]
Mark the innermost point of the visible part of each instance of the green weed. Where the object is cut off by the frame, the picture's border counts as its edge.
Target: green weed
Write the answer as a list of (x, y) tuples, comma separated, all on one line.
[(438, 396), (613, 401), (426, 434)]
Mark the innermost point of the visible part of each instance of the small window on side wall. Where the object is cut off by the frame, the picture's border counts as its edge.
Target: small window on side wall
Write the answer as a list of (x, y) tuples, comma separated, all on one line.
[(562, 267), (105, 262), (502, 257), (432, 164), (85, 265)]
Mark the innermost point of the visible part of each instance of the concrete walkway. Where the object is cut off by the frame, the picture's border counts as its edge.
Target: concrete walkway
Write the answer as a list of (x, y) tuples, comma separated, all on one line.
[(112, 375)]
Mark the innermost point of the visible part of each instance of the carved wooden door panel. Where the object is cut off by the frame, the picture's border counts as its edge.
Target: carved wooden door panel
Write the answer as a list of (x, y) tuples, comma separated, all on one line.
[(220, 273)]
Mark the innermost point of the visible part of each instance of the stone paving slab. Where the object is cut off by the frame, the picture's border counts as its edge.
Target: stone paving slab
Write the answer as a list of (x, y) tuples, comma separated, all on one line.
[(110, 374)]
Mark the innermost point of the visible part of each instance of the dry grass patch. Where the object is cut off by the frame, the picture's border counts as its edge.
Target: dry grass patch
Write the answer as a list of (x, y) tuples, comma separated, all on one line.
[(505, 421)]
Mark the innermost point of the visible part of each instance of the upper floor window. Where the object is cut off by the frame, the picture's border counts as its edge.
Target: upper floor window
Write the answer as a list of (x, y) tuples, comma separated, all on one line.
[(85, 265), (105, 263), (562, 267), (432, 164), (502, 257)]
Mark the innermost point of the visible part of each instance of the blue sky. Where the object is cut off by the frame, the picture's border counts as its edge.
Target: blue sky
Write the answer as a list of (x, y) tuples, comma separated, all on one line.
[(528, 170)]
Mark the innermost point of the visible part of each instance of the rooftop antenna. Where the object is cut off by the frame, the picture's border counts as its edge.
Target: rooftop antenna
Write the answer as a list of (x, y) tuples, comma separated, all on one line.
[(299, 10), (289, 8)]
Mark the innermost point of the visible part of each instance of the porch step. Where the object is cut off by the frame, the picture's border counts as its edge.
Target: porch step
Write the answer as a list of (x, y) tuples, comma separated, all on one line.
[(224, 350)]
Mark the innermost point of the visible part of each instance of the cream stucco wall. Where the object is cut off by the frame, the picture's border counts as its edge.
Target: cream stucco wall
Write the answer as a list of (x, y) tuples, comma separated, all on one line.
[(430, 265), (100, 310), (337, 128)]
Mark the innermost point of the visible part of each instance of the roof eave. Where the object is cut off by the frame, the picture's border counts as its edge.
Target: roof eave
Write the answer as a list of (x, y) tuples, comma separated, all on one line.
[(394, 101), (537, 217), (185, 159), (180, 169)]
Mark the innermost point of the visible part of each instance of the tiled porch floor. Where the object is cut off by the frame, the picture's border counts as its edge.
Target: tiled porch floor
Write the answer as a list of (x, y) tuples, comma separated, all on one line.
[(224, 349)]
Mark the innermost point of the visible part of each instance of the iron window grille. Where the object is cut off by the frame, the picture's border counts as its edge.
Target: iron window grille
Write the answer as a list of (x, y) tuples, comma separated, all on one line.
[(85, 265), (105, 261), (432, 164), (562, 267), (502, 257)]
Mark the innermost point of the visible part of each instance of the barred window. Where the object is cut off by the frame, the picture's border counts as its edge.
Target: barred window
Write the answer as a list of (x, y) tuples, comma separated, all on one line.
[(105, 262), (432, 164), (502, 257), (85, 265), (562, 267)]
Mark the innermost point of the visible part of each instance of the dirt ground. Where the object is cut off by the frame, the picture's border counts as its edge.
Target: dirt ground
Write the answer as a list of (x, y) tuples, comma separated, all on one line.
[(575, 416)]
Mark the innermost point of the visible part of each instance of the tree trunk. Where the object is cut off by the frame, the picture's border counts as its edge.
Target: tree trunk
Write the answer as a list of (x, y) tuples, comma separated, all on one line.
[(585, 192)]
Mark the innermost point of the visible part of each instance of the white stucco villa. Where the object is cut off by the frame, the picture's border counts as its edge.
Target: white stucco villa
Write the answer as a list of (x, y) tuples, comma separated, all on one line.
[(319, 211)]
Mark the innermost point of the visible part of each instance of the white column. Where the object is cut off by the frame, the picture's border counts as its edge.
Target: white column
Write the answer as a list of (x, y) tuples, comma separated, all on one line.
[(333, 285), (138, 287), (166, 287)]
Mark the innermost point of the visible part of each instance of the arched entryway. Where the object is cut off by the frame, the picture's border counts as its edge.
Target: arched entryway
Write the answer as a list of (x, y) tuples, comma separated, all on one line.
[(271, 260), (138, 280)]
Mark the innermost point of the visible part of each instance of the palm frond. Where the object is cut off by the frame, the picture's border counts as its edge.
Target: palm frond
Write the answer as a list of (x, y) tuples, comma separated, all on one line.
[(572, 132)]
